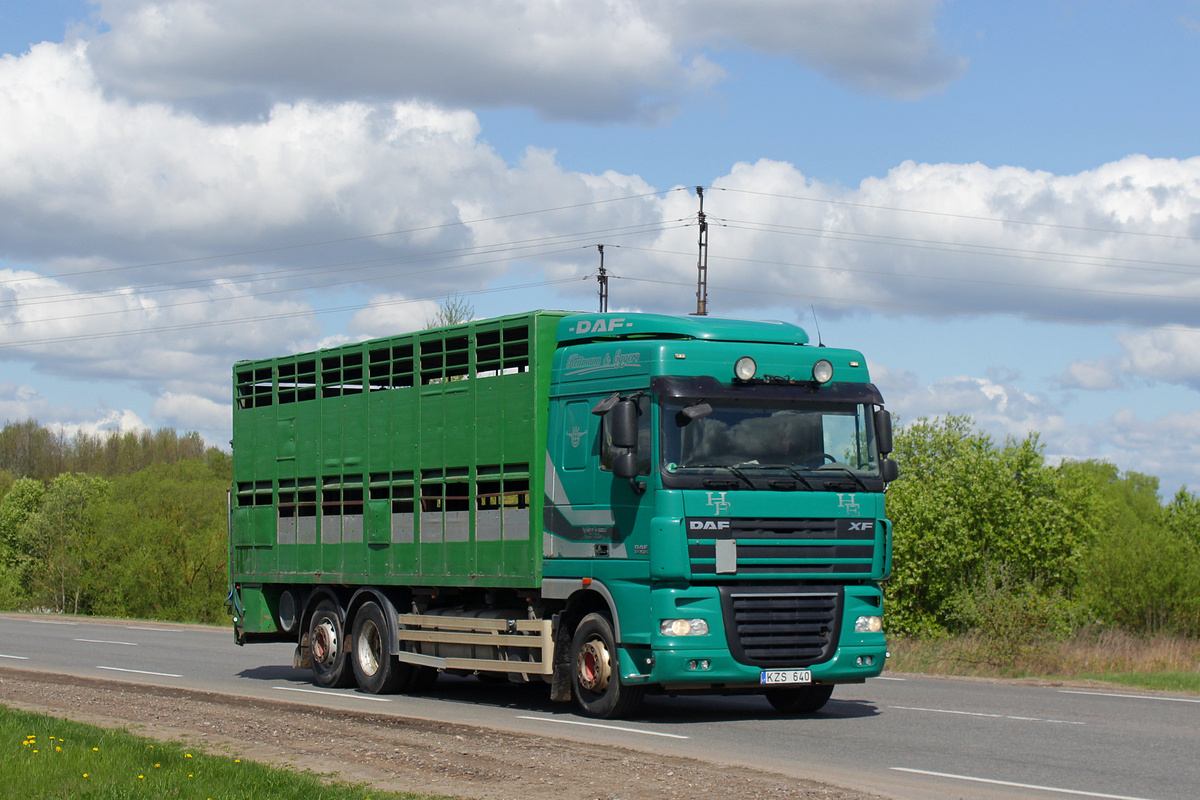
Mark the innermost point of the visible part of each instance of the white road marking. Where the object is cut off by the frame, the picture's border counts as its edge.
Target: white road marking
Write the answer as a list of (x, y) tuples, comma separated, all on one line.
[(1077, 792), (991, 716), (144, 628), (142, 672), (606, 727), (1134, 696), (106, 641), (19, 658), (334, 694), (887, 678), (50, 622)]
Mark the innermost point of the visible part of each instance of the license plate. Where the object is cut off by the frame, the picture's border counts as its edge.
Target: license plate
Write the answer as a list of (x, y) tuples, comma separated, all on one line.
[(773, 676)]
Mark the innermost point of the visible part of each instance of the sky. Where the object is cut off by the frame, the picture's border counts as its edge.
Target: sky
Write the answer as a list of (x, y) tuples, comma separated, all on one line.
[(997, 203)]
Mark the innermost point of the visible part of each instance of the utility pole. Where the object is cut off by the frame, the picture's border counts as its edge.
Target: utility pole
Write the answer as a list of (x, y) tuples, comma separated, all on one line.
[(603, 278), (702, 262)]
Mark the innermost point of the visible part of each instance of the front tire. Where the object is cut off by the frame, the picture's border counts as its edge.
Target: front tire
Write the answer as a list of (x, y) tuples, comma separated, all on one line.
[(800, 699), (327, 646), (595, 674), (376, 670)]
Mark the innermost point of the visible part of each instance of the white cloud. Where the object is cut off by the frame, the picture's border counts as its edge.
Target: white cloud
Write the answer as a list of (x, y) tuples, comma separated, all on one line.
[(19, 402), (191, 412), (1168, 355), (388, 315), (1111, 244), (1171, 356), (111, 421), (1100, 375), (578, 59), (1001, 408), (886, 47)]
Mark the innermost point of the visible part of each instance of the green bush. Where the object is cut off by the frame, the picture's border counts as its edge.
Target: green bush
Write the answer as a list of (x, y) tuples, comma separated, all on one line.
[(965, 508)]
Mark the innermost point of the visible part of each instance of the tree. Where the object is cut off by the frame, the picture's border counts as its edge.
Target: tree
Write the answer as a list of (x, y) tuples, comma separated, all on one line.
[(161, 542), (971, 516), (60, 538), (1142, 570), (455, 310), (21, 501), (29, 450)]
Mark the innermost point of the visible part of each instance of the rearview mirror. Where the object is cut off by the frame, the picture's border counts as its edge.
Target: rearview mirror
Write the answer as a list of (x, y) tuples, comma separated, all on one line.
[(883, 431)]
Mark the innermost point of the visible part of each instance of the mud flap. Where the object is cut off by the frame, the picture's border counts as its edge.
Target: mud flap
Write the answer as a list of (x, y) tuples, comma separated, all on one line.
[(560, 681)]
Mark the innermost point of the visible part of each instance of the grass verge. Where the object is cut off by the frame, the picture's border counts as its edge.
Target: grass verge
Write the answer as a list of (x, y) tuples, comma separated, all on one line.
[(1162, 663), (45, 758)]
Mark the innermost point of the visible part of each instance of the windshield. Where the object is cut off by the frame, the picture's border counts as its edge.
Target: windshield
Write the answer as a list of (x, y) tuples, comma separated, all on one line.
[(804, 440)]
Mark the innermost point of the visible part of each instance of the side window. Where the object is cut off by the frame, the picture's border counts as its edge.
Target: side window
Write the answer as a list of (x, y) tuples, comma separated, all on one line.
[(607, 451)]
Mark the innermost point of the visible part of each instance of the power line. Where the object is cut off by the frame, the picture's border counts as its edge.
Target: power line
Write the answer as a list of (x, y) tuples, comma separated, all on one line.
[(363, 237), (857, 301), (265, 317), (886, 274), (1003, 220), (510, 248)]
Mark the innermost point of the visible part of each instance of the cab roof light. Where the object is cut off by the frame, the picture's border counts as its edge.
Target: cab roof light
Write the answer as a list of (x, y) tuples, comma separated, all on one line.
[(745, 369)]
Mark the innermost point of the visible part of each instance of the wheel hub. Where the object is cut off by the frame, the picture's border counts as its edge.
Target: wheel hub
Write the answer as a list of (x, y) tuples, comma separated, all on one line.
[(324, 642), (370, 649), (595, 666)]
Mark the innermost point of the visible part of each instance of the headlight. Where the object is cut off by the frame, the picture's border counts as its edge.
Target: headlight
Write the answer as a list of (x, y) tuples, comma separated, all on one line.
[(745, 368), (822, 371), (683, 627), (868, 625)]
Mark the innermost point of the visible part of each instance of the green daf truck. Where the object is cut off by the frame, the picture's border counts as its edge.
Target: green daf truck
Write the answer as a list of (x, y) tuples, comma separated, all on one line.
[(613, 504)]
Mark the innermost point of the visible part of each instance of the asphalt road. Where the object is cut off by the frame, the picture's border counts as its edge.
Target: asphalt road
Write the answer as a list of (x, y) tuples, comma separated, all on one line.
[(904, 737)]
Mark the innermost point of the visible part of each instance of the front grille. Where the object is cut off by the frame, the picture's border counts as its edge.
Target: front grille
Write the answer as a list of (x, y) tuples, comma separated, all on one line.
[(808, 547), (782, 626)]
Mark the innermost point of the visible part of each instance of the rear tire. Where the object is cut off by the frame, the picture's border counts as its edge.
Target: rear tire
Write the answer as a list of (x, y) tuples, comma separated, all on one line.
[(376, 670), (800, 699), (595, 674), (327, 646)]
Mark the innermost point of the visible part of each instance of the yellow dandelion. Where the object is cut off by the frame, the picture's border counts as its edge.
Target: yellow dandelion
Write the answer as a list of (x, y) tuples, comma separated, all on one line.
[(58, 749), (95, 749), (141, 777), (85, 774), (187, 755), (156, 766)]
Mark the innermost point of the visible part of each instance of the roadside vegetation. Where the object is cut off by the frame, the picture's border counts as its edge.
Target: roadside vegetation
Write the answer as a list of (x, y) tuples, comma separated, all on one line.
[(55, 759), (1008, 566), (1005, 564)]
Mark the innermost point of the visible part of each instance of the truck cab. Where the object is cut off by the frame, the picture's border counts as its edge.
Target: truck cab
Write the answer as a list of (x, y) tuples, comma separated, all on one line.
[(720, 483)]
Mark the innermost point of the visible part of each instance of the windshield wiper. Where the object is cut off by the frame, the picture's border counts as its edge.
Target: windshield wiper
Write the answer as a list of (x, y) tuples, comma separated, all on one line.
[(788, 468), (848, 473), (737, 472)]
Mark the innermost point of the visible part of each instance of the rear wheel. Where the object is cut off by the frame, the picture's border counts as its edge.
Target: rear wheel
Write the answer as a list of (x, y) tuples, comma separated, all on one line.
[(327, 646), (376, 670), (800, 699), (595, 675)]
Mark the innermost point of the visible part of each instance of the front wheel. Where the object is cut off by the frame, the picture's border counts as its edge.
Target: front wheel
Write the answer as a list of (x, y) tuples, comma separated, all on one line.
[(595, 675), (800, 699)]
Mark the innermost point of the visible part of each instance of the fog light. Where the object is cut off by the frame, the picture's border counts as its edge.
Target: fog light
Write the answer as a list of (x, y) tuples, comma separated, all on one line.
[(822, 371), (701, 664), (683, 627), (864, 661), (868, 625), (745, 368)]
